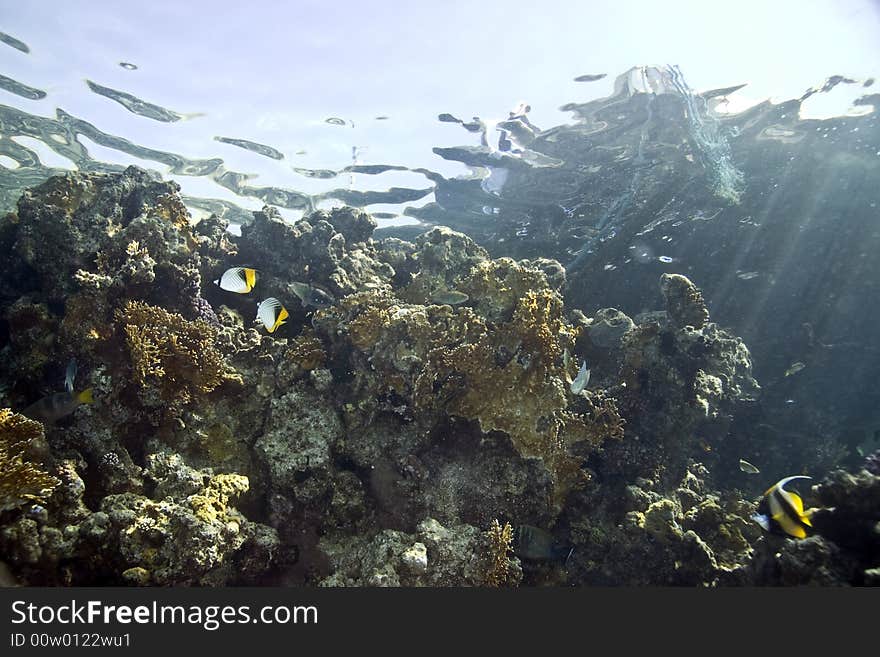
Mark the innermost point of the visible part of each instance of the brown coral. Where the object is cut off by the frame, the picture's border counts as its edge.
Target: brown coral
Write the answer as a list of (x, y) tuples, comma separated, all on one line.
[(171, 208), (306, 351), (177, 356), (499, 544), (21, 480)]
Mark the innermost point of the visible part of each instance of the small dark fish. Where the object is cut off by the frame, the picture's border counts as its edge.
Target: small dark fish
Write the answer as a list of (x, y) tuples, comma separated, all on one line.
[(782, 512), (381, 118), (311, 296), (536, 544), (52, 408), (590, 77), (128, 66), (334, 120), (795, 368)]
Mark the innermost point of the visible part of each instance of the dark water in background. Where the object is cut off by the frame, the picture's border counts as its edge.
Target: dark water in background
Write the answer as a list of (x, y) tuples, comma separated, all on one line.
[(775, 217)]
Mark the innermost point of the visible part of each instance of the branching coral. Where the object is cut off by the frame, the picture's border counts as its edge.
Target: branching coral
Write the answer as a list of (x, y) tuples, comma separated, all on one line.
[(499, 540), (21, 480), (178, 357)]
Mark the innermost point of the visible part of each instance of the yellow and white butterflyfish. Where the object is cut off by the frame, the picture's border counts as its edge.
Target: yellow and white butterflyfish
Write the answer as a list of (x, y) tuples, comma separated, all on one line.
[(240, 280), (272, 314)]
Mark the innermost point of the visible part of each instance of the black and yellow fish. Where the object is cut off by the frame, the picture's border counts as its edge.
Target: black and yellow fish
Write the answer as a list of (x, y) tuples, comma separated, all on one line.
[(52, 408), (782, 512), (240, 280)]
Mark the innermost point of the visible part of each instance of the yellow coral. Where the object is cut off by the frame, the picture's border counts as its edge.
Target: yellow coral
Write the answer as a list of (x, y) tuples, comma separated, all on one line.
[(21, 481), (499, 545), (177, 356), (212, 504)]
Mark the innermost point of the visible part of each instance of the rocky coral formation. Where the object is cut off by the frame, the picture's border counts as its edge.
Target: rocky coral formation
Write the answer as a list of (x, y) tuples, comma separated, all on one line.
[(688, 536), (397, 430), (186, 533)]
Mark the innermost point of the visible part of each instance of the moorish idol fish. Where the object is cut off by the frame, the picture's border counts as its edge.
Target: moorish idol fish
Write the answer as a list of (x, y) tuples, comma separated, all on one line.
[(782, 512)]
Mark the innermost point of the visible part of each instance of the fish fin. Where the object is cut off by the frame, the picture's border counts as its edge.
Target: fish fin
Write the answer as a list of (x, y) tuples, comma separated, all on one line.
[(86, 397), (282, 317), (250, 277), (762, 520), (797, 503), (797, 531)]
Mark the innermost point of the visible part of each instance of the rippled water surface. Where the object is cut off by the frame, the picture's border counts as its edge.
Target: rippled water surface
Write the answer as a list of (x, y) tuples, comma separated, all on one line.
[(756, 181)]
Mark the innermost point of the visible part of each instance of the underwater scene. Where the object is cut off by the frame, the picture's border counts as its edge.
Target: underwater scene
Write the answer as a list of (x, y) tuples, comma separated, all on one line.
[(304, 294)]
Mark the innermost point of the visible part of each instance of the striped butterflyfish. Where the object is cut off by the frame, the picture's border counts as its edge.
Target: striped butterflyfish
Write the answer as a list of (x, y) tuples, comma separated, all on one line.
[(240, 280), (782, 512), (271, 314)]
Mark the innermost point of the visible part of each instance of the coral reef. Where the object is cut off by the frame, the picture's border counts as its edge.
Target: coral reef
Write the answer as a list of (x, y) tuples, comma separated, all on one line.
[(395, 431), (187, 533), (684, 302)]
